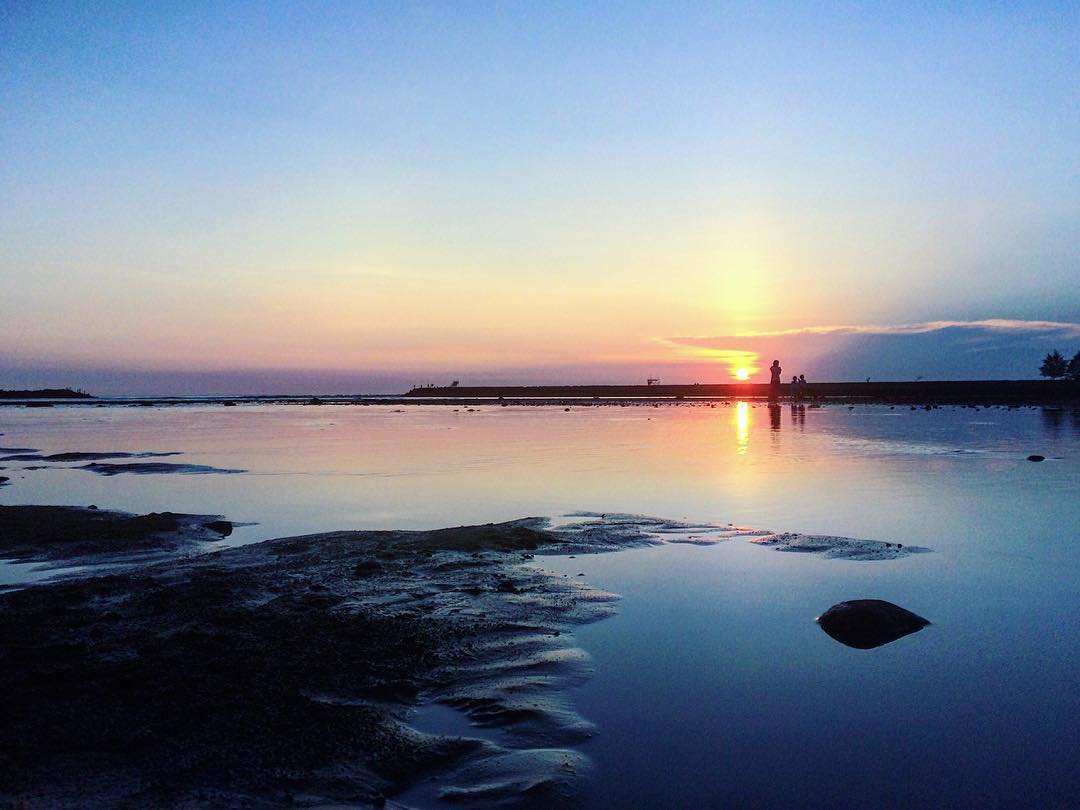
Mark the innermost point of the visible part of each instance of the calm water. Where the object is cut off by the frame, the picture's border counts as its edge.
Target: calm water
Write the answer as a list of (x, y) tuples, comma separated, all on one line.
[(713, 687)]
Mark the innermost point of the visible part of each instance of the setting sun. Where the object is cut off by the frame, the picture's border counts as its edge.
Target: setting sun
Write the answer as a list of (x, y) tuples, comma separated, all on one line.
[(742, 373)]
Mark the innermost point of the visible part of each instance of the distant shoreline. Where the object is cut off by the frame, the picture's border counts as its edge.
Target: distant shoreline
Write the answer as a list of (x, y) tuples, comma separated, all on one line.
[(940, 391), (45, 393)]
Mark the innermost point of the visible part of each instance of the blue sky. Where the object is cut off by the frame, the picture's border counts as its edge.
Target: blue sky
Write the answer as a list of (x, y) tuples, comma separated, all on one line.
[(380, 192)]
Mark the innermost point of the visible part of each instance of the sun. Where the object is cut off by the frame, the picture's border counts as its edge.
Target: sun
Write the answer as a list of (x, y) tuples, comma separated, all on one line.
[(742, 374)]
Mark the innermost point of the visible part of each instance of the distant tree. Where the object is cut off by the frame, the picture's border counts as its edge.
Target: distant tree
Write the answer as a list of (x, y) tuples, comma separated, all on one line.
[(1074, 367), (1054, 365)]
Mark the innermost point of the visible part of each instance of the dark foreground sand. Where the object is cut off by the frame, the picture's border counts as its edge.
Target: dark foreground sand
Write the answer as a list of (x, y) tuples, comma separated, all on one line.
[(281, 673)]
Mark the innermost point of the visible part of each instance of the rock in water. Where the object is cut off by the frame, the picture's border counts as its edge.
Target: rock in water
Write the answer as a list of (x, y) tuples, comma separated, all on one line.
[(222, 527), (1036, 457), (868, 623)]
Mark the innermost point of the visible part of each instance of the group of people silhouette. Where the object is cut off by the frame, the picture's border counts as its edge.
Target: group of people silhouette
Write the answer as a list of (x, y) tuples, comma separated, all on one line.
[(797, 385)]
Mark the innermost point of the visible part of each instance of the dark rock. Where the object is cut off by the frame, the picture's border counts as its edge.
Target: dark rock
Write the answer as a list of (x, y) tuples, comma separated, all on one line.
[(868, 623), (222, 527), (1036, 458)]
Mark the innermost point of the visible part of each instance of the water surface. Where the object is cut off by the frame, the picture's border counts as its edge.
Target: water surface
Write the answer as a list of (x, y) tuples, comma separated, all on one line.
[(713, 686)]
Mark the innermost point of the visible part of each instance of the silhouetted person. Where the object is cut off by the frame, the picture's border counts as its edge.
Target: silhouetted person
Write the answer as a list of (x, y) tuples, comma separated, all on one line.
[(802, 386), (774, 380)]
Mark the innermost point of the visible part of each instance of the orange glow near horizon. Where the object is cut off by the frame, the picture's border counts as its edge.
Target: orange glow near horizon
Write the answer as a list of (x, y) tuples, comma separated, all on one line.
[(741, 363)]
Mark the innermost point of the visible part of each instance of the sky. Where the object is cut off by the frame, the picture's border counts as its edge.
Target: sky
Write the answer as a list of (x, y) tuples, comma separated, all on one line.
[(360, 197)]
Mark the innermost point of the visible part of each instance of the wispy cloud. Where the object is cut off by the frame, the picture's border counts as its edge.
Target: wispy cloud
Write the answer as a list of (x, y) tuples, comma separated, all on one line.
[(993, 325), (995, 348), (736, 358)]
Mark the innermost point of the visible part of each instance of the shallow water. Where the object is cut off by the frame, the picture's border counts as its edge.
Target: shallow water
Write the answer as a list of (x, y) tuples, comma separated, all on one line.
[(713, 686), (862, 472)]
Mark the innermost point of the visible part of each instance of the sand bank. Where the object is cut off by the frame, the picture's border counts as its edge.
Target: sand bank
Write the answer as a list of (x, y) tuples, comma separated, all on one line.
[(66, 536)]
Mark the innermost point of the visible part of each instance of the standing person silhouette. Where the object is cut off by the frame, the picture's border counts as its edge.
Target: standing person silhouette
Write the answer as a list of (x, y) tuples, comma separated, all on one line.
[(774, 382)]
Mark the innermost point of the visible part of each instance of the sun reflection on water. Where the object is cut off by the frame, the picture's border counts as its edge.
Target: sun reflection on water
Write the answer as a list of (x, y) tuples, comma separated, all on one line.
[(742, 426)]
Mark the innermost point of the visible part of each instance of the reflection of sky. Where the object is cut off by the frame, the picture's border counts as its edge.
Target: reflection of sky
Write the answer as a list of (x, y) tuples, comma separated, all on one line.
[(831, 470)]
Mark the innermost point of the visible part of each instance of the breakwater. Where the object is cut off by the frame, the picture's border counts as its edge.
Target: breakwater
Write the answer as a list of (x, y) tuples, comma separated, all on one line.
[(1026, 391)]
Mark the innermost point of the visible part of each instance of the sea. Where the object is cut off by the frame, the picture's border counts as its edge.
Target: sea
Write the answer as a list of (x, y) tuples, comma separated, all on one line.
[(712, 686)]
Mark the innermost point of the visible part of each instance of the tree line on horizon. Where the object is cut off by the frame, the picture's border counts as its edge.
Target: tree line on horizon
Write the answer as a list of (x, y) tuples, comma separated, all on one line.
[(1055, 366)]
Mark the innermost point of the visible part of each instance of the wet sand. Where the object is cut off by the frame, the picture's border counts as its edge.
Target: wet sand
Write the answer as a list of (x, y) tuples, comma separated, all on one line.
[(283, 672), (66, 536)]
